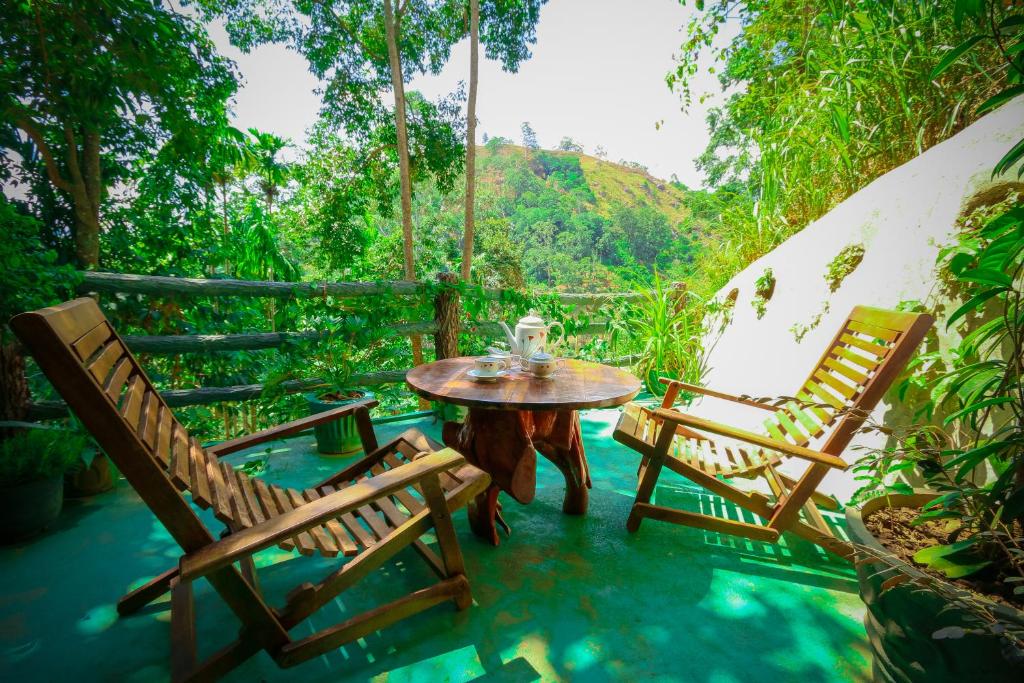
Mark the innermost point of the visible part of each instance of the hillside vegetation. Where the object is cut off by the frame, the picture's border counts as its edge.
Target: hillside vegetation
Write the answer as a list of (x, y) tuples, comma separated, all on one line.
[(564, 219)]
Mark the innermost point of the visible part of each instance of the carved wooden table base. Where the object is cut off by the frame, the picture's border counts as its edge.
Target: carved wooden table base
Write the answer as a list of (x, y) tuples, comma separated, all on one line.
[(505, 443)]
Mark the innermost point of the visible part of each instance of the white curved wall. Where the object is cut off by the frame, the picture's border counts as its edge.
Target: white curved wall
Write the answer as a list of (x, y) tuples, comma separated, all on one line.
[(902, 219)]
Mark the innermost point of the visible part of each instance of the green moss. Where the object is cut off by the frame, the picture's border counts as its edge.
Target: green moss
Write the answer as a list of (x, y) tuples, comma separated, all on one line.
[(764, 288), (845, 262)]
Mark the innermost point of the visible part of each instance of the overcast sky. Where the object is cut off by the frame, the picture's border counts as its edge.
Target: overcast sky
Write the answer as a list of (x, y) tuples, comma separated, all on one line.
[(597, 75)]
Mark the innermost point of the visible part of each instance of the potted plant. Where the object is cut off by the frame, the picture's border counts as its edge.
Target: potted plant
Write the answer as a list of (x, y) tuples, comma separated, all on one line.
[(941, 570), (34, 278), (339, 437), (32, 466), (330, 362)]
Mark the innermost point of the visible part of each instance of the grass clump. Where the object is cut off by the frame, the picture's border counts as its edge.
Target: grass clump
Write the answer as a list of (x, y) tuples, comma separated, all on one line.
[(33, 454)]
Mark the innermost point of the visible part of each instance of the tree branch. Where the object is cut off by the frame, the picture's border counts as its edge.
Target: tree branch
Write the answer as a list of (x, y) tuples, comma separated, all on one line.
[(349, 32), (36, 136)]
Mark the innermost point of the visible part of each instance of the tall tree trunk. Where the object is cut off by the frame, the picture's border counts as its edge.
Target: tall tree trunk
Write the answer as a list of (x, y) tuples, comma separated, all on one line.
[(86, 189), (474, 49), (14, 397), (398, 85), (224, 217)]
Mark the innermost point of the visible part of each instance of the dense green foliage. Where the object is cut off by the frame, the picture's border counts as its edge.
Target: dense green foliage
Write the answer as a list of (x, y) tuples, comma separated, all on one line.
[(32, 454), (975, 459), (90, 92), (823, 97)]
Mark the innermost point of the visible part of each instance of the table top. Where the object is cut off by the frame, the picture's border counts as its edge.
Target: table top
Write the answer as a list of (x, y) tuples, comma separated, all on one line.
[(577, 385)]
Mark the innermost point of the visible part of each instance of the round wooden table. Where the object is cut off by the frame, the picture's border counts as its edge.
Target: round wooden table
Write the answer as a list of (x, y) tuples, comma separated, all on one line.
[(513, 418)]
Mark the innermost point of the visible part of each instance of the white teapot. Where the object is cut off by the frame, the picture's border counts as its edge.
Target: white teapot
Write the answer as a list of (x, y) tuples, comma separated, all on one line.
[(532, 335)]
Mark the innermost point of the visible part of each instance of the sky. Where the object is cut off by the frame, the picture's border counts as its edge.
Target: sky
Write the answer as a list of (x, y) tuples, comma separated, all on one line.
[(597, 75)]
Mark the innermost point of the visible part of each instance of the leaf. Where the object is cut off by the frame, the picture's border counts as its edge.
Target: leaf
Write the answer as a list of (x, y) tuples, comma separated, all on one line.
[(949, 633), (975, 407), (955, 54), (973, 303), (968, 461), (1009, 159), (999, 98), (987, 276), (945, 558)]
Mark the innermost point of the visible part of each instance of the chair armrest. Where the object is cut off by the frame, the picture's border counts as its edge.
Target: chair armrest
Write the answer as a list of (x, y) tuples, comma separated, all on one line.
[(751, 438), (360, 409), (271, 532), (715, 394)]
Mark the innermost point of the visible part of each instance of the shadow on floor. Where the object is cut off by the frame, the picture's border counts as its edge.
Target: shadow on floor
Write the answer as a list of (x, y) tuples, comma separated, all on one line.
[(563, 598)]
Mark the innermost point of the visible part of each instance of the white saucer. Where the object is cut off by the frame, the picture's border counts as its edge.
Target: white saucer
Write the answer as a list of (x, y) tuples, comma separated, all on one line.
[(477, 377)]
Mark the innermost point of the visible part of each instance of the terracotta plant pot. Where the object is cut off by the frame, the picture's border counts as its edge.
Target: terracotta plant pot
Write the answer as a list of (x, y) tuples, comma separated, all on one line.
[(338, 437), (28, 508), (901, 621), (82, 481)]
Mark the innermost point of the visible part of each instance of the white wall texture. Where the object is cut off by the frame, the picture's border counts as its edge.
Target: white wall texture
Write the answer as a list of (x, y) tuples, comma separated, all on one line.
[(902, 219)]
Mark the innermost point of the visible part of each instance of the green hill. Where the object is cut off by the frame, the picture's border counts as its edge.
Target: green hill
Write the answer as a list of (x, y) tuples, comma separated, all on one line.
[(580, 222)]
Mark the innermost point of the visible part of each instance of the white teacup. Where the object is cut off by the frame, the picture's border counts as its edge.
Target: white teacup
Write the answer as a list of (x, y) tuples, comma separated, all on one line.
[(488, 366), (541, 365), (505, 356)]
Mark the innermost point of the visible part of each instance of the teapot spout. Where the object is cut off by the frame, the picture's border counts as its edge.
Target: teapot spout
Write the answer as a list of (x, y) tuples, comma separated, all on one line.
[(511, 338)]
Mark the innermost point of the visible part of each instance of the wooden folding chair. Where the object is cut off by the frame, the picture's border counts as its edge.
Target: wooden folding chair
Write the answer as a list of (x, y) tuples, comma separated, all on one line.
[(871, 348), (367, 512)]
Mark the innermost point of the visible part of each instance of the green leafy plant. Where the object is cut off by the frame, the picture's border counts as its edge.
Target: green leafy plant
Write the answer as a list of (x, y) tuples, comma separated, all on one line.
[(31, 454), (666, 329), (764, 288), (845, 262), (1004, 31), (975, 459)]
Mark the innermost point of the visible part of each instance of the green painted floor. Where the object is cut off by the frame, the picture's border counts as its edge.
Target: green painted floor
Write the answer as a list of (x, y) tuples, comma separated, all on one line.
[(565, 598)]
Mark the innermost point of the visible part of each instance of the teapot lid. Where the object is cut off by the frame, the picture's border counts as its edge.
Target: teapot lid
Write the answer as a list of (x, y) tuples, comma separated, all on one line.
[(531, 319)]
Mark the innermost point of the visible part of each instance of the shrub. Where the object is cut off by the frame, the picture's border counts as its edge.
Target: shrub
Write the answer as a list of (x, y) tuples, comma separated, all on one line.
[(32, 454)]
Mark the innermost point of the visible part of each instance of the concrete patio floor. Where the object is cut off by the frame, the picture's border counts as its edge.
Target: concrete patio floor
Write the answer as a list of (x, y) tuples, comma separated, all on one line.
[(563, 599)]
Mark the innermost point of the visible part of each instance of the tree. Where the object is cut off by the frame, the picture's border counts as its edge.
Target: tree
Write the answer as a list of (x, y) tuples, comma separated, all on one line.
[(567, 144), (529, 136), (600, 152), (467, 231), (272, 172), (363, 49), (99, 84), (509, 29), (230, 152)]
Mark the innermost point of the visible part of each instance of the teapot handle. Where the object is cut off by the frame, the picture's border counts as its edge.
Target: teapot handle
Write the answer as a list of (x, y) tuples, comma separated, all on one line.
[(561, 338)]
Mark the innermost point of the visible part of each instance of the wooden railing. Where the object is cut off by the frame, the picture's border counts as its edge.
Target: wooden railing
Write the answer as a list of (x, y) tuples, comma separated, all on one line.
[(162, 286)]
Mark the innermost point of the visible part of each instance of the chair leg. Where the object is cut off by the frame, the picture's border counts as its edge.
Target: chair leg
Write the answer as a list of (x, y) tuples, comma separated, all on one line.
[(183, 634), (649, 478), (644, 491), (451, 553), (143, 595), (249, 572)]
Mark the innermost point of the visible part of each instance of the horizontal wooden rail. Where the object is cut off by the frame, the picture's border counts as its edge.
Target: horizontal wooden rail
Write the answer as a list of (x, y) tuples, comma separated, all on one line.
[(161, 285), (254, 341), (178, 398)]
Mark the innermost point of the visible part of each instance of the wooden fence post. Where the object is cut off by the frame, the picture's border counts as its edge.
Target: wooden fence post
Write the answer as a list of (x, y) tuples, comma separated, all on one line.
[(446, 318)]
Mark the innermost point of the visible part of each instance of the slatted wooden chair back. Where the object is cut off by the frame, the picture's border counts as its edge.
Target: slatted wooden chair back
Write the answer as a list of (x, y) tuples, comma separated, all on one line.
[(92, 369), (866, 355)]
